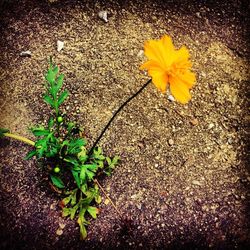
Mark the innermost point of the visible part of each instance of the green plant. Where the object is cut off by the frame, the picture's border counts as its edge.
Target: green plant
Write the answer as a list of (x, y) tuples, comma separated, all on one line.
[(71, 167)]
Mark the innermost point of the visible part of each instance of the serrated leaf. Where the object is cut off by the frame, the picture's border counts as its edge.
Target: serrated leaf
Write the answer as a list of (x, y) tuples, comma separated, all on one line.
[(66, 200), (83, 174), (66, 212), (40, 131), (57, 181), (30, 155), (108, 160), (59, 81), (75, 146), (90, 174), (93, 211), (55, 70), (50, 122), (92, 167), (49, 100), (98, 199), (62, 97), (82, 222), (84, 187), (82, 155), (73, 161), (73, 198), (77, 178), (73, 211), (52, 152), (50, 76), (115, 160), (70, 126), (99, 163)]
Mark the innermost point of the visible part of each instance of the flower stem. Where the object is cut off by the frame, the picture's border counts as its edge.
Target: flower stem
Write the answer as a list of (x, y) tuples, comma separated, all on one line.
[(115, 114), (19, 138)]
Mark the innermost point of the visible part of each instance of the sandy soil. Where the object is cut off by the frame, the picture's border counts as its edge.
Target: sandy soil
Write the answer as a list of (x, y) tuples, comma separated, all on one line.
[(184, 176)]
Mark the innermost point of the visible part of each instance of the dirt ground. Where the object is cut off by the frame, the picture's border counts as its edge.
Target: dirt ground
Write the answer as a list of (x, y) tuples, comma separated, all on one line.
[(184, 176)]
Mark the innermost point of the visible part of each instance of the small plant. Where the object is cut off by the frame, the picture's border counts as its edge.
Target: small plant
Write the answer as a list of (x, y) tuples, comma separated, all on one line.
[(71, 167)]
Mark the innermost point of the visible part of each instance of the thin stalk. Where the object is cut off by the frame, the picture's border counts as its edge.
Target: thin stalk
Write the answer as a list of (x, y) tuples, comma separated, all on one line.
[(112, 203), (116, 113), (20, 138)]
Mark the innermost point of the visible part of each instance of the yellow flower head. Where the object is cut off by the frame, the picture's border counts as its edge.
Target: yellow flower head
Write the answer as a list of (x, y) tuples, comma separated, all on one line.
[(167, 65)]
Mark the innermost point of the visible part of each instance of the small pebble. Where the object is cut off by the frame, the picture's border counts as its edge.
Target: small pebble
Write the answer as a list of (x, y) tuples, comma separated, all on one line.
[(171, 98), (103, 15), (59, 231), (140, 53), (196, 183), (62, 225), (171, 142), (26, 53), (210, 126), (60, 45), (194, 122), (106, 201), (198, 14)]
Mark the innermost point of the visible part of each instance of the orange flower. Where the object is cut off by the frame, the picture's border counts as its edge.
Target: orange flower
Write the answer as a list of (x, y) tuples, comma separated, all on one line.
[(167, 65)]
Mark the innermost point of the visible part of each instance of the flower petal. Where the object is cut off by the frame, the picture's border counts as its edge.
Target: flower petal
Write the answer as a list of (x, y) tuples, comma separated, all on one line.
[(188, 78), (152, 65), (160, 79), (152, 51), (179, 90)]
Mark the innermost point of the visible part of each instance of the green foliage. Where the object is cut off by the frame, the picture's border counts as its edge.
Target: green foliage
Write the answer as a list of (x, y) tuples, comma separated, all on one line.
[(2, 131), (70, 167)]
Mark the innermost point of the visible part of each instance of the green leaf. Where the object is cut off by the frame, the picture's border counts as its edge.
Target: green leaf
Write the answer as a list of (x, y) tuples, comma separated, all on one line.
[(89, 171), (115, 160), (66, 211), (73, 211), (71, 125), (92, 167), (57, 181), (75, 146), (66, 200), (30, 155), (84, 187), (49, 100), (73, 198), (50, 76), (62, 97), (51, 152), (50, 122), (77, 178), (98, 199), (109, 161), (93, 211), (90, 174), (82, 222), (83, 174), (55, 70), (2, 131), (73, 161), (40, 131), (59, 81), (82, 155), (83, 231)]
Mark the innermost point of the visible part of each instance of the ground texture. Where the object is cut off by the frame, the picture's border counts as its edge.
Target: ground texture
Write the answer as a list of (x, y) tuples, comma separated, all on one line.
[(184, 175)]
